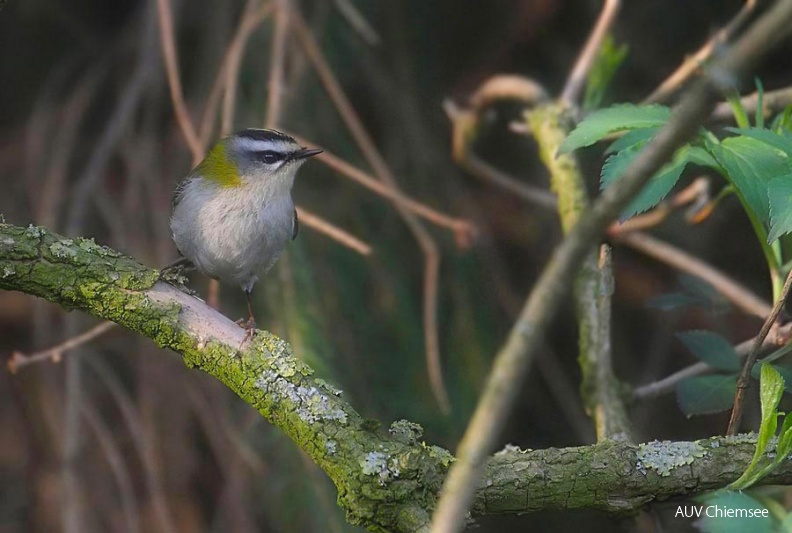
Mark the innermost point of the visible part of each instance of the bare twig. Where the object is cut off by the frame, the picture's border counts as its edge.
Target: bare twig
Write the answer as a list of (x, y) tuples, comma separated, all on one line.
[(777, 337), (357, 21), (772, 101), (277, 62), (744, 380), (525, 337), (694, 63), (600, 386), (120, 470), (252, 17), (145, 446), (168, 41), (577, 77), (317, 223), (739, 295), (55, 353), (383, 172), (464, 231)]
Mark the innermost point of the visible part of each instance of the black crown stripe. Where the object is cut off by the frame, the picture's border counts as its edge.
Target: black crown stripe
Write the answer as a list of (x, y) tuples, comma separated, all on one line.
[(265, 135)]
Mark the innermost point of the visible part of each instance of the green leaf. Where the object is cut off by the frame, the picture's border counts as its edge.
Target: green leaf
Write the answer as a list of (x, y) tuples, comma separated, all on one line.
[(784, 440), (740, 115), (608, 60), (750, 164), (710, 522), (771, 387), (711, 348), (673, 300), (656, 188), (617, 118), (759, 120), (699, 156), (779, 192), (702, 395), (769, 137), (630, 138)]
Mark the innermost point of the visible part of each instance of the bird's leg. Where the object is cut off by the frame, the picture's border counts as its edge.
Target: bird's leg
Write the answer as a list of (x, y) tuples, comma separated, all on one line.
[(251, 322)]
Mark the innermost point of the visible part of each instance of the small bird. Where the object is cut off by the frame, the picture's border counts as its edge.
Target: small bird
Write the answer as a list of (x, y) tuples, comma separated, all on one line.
[(233, 214)]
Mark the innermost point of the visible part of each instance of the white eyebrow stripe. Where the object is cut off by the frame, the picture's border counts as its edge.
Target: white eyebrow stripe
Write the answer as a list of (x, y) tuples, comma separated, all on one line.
[(257, 145)]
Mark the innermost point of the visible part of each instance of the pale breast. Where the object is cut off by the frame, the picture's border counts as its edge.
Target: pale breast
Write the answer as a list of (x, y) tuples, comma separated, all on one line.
[(231, 234)]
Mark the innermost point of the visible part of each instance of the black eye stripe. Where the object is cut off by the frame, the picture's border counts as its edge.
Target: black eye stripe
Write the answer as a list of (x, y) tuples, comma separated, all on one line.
[(270, 157)]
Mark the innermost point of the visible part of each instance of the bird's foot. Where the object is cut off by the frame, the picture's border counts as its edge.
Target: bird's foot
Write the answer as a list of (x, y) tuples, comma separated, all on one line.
[(174, 274), (250, 329)]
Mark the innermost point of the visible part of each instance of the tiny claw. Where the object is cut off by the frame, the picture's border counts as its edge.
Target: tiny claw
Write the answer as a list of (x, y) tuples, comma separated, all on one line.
[(250, 328)]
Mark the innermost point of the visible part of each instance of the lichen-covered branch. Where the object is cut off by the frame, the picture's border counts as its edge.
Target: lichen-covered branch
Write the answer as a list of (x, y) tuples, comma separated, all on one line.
[(386, 479), (614, 476)]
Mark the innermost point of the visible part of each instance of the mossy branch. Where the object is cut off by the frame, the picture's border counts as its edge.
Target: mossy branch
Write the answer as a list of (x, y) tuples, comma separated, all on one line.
[(387, 480)]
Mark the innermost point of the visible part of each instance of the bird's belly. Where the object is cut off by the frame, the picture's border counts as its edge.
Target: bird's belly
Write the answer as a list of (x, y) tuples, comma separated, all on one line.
[(233, 242)]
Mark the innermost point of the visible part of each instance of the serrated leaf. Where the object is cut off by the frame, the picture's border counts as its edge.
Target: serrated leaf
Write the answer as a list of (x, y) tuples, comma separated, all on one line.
[(655, 189), (779, 193), (760, 522), (702, 395), (771, 387), (769, 137), (617, 118), (630, 138), (711, 348), (750, 164)]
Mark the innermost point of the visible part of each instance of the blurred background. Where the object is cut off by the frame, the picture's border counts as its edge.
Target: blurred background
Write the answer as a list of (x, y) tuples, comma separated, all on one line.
[(117, 435)]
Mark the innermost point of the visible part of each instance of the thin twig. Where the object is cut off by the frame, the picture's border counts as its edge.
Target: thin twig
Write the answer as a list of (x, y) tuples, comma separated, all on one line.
[(358, 22), (120, 470), (525, 337), (342, 237), (739, 295), (464, 231), (55, 353), (694, 63), (669, 383), (144, 446), (252, 17), (383, 172), (771, 101), (275, 82), (577, 77), (605, 403), (170, 56), (744, 380)]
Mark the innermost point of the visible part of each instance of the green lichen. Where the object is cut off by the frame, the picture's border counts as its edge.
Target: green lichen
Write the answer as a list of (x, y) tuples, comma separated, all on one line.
[(441, 455), (311, 404), (381, 465), (406, 432), (35, 231), (664, 457)]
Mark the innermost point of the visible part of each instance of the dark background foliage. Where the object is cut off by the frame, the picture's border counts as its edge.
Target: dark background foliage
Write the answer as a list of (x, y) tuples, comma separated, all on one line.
[(89, 146)]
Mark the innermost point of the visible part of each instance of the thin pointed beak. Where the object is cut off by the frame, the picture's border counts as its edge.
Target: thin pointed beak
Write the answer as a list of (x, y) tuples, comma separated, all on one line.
[(304, 153)]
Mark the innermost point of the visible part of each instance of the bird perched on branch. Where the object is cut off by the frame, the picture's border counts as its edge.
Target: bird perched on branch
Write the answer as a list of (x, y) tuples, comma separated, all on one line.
[(233, 214)]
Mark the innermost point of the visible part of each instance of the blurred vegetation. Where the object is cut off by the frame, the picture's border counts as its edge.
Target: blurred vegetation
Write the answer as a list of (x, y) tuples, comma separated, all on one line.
[(89, 146)]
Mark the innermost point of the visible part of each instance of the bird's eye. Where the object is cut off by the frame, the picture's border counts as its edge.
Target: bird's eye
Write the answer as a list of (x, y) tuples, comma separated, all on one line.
[(270, 157)]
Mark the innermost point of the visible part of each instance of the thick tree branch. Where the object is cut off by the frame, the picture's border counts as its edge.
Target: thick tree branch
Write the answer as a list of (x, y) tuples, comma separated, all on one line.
[(387, 480)]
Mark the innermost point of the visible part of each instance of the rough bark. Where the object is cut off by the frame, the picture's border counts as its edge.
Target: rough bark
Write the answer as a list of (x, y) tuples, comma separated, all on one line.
[(387, 480)]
